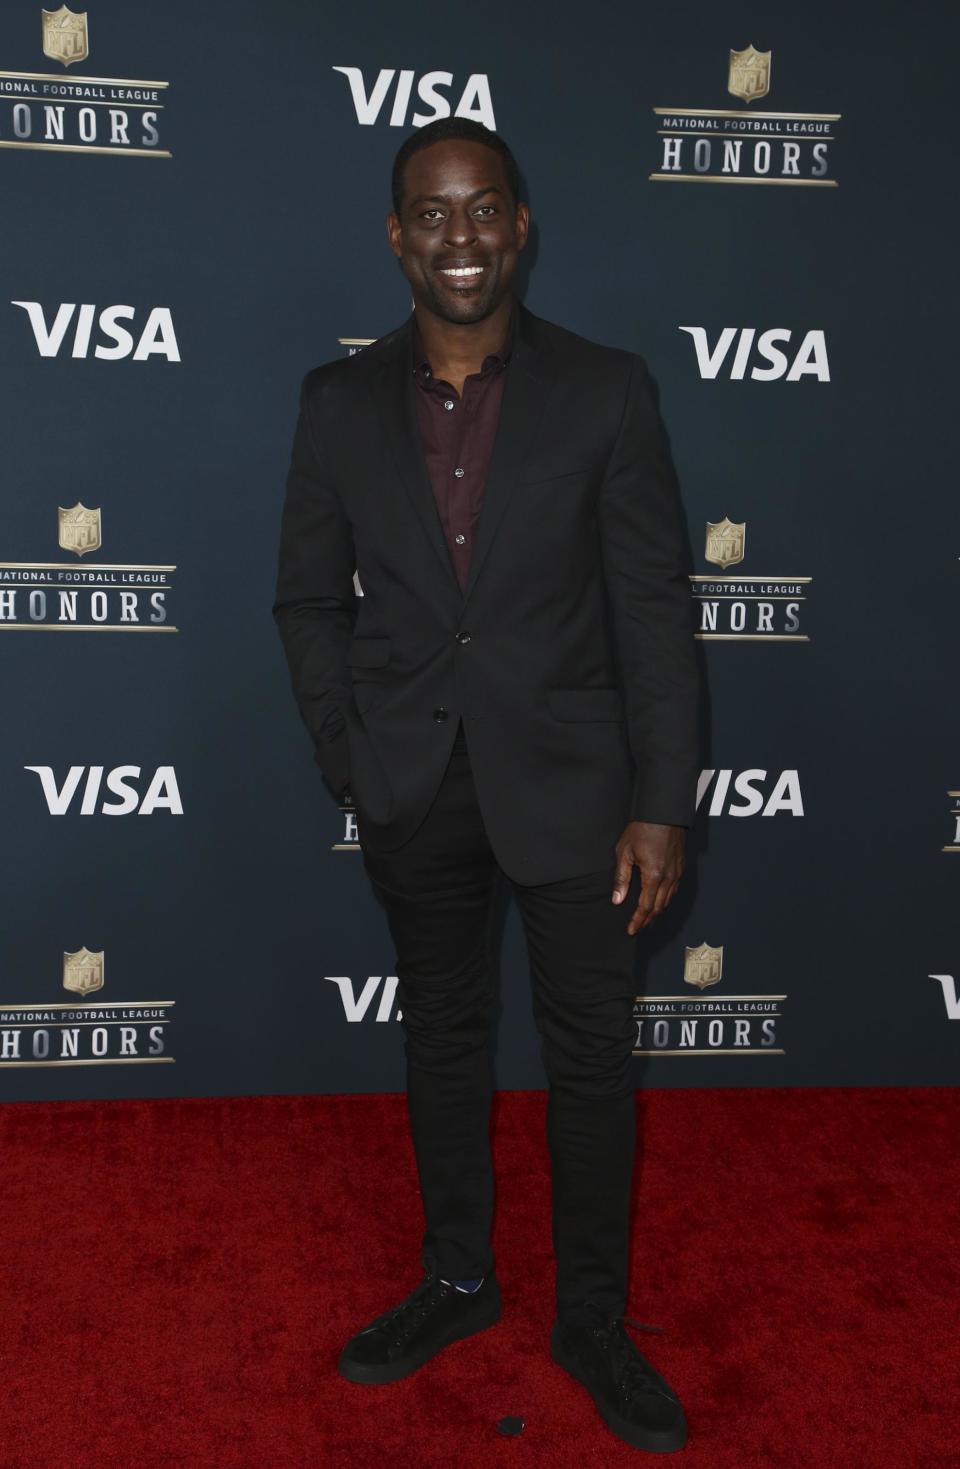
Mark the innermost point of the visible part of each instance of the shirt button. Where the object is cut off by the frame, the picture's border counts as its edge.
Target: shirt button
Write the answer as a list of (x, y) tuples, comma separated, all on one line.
[(460, 540), (458, 472), (440, 715), (463, 637), (448, 403)]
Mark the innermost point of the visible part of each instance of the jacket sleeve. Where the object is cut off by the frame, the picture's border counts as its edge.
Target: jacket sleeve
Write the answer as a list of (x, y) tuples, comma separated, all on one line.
[(315, 602), (646, 571)]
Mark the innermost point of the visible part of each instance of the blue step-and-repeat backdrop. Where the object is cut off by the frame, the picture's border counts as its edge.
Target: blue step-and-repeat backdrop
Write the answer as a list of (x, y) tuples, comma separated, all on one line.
[(757, 199)]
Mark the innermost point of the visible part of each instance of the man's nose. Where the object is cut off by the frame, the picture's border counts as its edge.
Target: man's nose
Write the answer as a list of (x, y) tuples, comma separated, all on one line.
[(461, 228)]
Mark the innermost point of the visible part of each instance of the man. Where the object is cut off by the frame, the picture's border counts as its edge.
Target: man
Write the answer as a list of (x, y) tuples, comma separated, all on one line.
[(515, 693)]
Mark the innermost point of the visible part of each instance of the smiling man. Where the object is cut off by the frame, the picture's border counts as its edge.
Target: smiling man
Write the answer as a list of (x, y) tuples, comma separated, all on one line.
[(512, 700)]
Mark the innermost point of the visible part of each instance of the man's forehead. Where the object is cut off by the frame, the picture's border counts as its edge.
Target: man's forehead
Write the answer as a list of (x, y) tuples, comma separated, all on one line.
[(451, 191), (461, 165)]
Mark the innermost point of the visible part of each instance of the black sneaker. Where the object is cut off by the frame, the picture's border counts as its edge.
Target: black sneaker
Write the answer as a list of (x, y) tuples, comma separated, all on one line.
[(633, 1400), (432, 1316)]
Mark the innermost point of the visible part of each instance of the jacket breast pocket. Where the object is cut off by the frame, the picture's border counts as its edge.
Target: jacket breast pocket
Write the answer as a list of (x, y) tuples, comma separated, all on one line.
[(547, 474), (585, 704), (369, 652)]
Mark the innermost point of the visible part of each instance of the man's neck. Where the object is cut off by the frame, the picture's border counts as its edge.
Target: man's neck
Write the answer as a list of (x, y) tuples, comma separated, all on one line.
[(456, 349)]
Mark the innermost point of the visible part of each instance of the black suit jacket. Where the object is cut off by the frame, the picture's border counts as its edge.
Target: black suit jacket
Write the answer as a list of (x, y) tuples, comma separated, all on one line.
[(569, 656)]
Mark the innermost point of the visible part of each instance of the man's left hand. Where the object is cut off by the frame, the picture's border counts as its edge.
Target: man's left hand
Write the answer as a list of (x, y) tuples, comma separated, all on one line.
[(659, 852)]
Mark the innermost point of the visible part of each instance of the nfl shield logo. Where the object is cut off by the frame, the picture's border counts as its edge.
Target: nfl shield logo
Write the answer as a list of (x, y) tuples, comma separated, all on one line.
[(725, 542), (749, 76), (702, 966), (83, 972), (79, 528), (65, 35)]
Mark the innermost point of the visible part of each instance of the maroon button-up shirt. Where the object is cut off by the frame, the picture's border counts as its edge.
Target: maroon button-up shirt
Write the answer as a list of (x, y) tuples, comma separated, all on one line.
[(457, 433)]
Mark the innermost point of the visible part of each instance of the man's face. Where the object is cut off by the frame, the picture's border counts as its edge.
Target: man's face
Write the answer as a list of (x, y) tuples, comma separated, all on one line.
[(458, 233)]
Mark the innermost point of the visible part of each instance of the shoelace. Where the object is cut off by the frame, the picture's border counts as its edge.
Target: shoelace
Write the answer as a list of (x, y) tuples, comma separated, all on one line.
[(399, 1323), (632, 1372)]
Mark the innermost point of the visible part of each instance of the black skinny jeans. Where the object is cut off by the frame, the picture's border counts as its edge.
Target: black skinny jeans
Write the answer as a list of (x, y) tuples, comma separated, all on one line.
[(438, 891)]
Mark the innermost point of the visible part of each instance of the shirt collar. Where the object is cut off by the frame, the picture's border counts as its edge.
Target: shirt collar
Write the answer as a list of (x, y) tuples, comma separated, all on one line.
[(493, 360)]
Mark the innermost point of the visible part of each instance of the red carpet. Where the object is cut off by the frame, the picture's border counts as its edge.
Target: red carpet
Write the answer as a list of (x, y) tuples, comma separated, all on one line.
[(179, 1275)]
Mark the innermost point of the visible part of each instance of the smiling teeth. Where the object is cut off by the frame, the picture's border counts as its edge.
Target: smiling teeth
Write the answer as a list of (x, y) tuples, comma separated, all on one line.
[(463, 270)]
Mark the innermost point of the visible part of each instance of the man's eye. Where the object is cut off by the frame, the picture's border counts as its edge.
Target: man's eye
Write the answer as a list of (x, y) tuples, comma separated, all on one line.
[(489, 208), (428, 212)]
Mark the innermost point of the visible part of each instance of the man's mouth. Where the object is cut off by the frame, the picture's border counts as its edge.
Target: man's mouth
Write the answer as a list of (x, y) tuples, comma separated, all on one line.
[(462, 274)]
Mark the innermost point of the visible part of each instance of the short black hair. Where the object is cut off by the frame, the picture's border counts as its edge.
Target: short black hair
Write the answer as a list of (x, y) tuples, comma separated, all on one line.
[(439, 131)]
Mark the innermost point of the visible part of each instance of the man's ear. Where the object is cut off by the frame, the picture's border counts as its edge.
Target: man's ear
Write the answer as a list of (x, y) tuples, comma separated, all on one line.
[(394, 232)]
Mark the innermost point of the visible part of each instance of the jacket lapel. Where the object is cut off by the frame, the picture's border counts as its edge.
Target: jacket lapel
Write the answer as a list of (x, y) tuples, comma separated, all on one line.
[(393, 390), (529, 376)]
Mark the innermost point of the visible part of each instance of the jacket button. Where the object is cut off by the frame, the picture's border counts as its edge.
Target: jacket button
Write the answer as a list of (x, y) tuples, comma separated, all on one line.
[(440, 715), (463, 637)]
